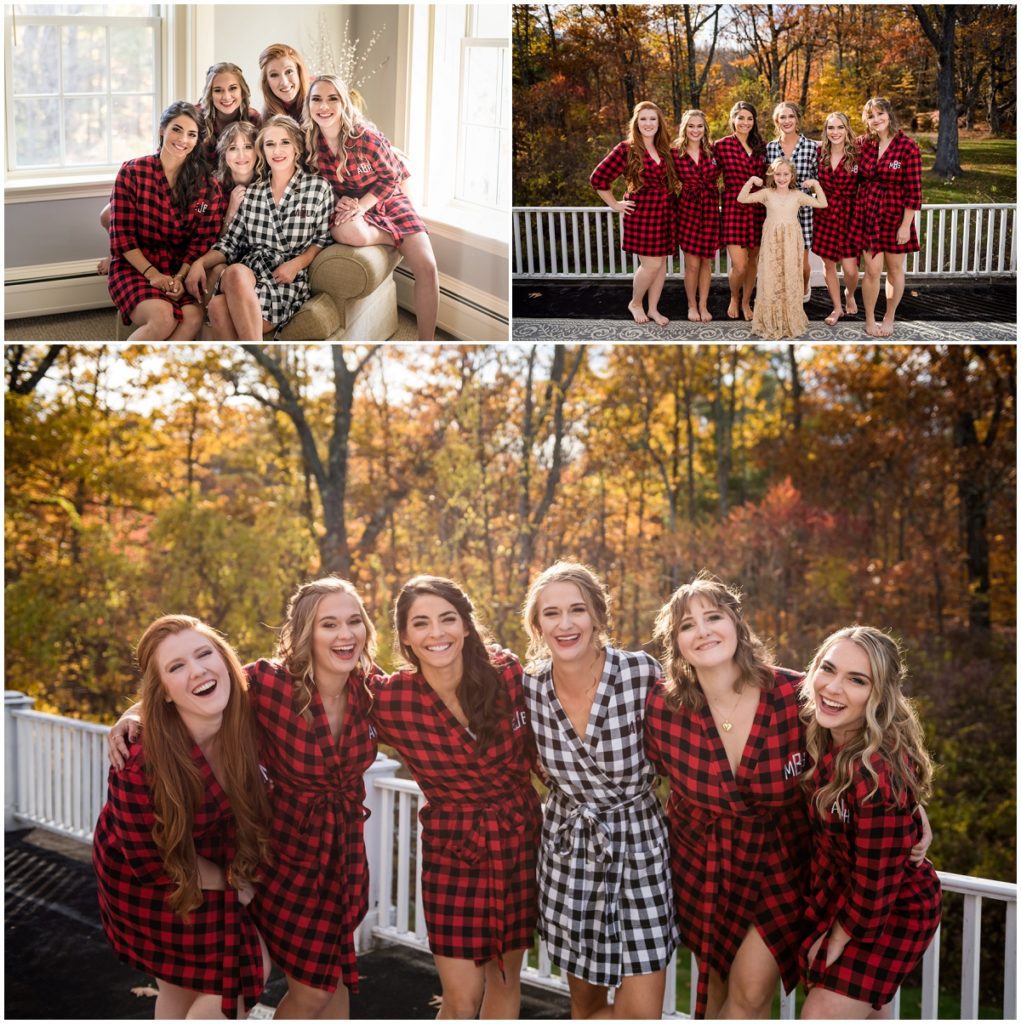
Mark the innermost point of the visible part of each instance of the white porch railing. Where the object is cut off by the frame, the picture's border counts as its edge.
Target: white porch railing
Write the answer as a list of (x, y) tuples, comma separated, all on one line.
[(55, 778), (568, 243)]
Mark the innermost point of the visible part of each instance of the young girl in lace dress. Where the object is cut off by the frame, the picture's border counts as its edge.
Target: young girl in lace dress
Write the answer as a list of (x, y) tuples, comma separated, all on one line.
[(778, 311)]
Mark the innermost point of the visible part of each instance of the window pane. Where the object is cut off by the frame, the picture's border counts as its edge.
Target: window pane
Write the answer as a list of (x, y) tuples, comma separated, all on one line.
[(37, 130), (32, 66), (86, 10), (85, 131), (131, 124), (84, 59), (491, 21), (479, 175), (482, 84), (131, 59)]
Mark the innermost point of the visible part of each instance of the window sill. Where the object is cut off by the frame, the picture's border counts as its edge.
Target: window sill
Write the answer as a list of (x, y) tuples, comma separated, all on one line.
[(41, 189), (488, 231)]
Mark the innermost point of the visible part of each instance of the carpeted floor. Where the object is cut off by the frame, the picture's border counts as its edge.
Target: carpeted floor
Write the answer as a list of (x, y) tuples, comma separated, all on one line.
[(100, 325)]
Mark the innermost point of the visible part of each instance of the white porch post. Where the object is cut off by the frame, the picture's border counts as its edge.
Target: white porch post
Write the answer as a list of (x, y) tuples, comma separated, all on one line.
[(383, 768), (13, 701)]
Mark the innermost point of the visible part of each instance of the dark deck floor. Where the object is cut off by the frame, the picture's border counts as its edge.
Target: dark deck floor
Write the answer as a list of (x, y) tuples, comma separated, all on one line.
[(992, 301), (58, 964)]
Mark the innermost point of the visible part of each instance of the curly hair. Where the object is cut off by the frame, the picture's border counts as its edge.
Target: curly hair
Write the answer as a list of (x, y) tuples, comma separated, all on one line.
[(352, 122), (593, 593), (194, 171), (208, 108), (752, 657), (755, 140), (850, 148), (297, 138), (890, 729), (771, 172), (636, 150), (224, 142), (480, 692), (175, 779), (294, 645), (274, 105)]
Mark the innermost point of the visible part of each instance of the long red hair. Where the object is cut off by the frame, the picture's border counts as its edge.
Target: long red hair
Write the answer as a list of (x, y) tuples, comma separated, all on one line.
[(633, 174)]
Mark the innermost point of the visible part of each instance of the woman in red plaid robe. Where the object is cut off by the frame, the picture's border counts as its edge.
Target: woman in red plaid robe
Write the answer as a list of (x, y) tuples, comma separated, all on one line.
[(871, 911), (175, 901), (457, 719), (698, 210), (832, 237), (649, 209), (366, 175), (890, 191), (724, 729), (311, 706), (741, 155), (225, 101), (165, 212)]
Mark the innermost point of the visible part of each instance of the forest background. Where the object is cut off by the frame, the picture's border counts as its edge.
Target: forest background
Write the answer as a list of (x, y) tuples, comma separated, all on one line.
[(579, 69), (832, 484)]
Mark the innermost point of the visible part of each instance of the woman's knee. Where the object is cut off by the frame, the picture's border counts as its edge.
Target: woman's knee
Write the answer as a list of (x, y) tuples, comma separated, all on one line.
[(236, 277), (462, 1005)]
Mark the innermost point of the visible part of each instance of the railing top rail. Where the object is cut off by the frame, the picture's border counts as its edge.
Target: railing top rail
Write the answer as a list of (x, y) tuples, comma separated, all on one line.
[(399, 785), (65, 722), (606, 209), (969, 885)]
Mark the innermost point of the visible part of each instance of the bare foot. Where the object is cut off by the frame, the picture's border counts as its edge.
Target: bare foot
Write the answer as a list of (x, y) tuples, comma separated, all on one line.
[(656, 315), (704, 315), (693, 315), (872, 329), (885, 329), (747, 311), (833, 317), (103, 266), (850, 304), (732, 309), (638, 313)]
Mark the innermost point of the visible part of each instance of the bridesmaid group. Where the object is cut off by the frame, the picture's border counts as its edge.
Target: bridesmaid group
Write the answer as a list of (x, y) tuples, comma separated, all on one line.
[(682, 193), (787, 792), (223, 222)]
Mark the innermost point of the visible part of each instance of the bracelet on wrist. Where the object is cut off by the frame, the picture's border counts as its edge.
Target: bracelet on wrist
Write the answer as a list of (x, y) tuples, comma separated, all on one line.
[(148, 267)]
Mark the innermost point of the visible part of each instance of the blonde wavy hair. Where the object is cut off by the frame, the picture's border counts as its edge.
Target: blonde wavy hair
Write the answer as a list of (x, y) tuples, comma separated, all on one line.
[(293, 130), (294, 645), (352, 121), (209, 111), (771, 173), (788, 105), (176, 780), (705, 143), (891, 728), (593, 593), (850, 149), (752, 657)]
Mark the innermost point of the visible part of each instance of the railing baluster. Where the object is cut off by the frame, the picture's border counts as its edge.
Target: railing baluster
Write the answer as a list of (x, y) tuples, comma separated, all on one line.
[(971, 946), (1001, 248), (542, 244), (517, 241), (420, 932), (1010, 958), (930, 979), (941, 235), (599, 245), (386, 856), (953, 239), (670, 993), (585, 219), (574, 238), (918, 234), (403, 860), (612, 245), (528, 242), (928, 241), (966, 214)]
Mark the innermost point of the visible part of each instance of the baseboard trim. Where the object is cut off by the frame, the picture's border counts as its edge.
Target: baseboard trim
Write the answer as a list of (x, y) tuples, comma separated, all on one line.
[(467, 313), (47, 289)]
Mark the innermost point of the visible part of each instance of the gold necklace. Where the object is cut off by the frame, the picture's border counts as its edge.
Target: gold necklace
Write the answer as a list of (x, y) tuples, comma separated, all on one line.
[(726, 725)]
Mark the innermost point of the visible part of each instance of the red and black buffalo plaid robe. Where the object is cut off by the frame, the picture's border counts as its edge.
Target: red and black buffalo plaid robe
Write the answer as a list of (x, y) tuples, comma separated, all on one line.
[(143, 216), (480, 826), (832, 237), (741, 223), (651, 227), (698, 206), (862, 877), (739, 847), (888, 185), (316, 893), (371, 166), (216, 950)]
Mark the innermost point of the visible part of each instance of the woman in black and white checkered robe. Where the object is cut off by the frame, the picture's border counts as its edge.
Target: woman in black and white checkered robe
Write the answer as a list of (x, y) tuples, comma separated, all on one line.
[(281, 226), (606, 907)]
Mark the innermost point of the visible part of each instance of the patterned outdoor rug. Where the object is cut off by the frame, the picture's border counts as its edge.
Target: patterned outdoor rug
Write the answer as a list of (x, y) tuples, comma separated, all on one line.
[(622, 330)]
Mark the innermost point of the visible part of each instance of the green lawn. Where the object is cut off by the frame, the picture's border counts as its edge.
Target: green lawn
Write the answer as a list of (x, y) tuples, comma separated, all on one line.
[(989, 172)]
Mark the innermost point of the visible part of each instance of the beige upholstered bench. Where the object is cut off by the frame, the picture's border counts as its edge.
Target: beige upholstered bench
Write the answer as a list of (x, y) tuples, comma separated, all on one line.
[(354, 297)]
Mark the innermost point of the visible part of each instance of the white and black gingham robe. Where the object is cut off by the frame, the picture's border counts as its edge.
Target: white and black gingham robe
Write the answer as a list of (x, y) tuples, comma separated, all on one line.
[(264, 234), (605, 899), (806, 163)]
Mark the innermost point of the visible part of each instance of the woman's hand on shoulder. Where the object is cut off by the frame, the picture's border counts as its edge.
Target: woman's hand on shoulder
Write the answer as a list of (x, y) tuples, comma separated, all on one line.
[(126, 731)]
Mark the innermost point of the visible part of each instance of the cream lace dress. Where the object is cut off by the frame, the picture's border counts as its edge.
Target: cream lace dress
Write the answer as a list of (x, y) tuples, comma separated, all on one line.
[(778, 311)]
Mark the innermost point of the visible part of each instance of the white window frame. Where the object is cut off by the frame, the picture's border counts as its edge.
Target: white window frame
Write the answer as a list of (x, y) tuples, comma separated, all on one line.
[(176, 39), (423, 119)]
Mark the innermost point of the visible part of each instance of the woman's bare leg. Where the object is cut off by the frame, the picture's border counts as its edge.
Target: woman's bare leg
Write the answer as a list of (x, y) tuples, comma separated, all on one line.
[(737, 268), (588, 1001), (238, 287), (752, 981), (870, 290), (850, 266), (463, 985), (417, 252), (705, 280), (302, 1002), (655, 292), (502, 999), (894, 290), (153, 320), (833, 287)]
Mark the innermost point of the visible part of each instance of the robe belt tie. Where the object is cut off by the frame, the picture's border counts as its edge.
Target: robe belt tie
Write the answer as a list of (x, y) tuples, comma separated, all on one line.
[(242, 976)]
